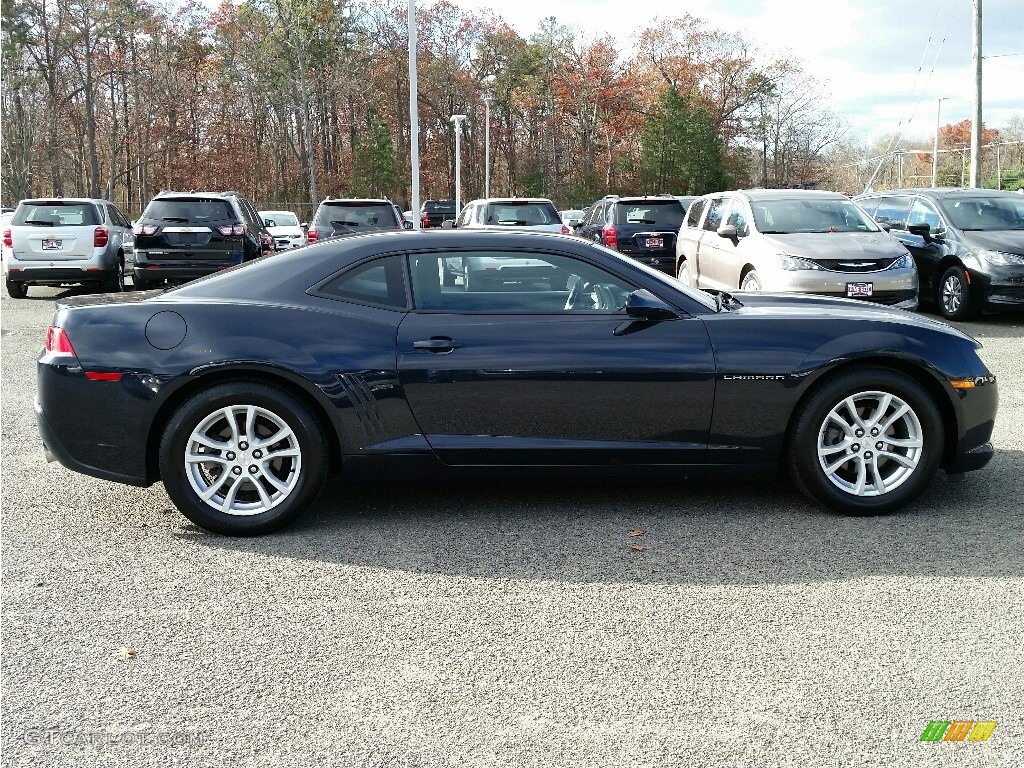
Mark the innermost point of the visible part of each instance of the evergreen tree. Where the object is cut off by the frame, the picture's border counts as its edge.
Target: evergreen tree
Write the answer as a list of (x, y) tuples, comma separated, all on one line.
[(681, 152)]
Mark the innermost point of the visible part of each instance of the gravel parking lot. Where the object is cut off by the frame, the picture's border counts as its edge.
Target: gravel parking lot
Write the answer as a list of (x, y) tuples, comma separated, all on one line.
[(512, 624)]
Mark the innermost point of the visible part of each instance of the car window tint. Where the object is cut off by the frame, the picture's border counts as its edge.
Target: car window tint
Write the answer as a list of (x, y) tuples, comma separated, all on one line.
[(355, 216), (716, 213), (892, 210), (797, 215), (696, 209), (499, 282), (869, 204), (56, 213), (986, 213), (466, 216), (923, 212), (380, 282), (190, 210), (655, 213), (513, 213), (738, 218)]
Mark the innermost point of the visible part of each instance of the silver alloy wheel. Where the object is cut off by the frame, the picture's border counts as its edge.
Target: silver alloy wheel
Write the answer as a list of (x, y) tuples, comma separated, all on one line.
[(952, 294), (870, 443), (243, 460), (750, 282), (684, 275)]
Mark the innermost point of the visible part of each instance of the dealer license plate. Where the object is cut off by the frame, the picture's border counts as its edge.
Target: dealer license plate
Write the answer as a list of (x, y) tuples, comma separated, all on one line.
[(654, 242), (859, 289), (52, 245)]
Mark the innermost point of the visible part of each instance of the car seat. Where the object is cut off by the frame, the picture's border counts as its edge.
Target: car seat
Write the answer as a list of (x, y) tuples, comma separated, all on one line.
[(426, 283)]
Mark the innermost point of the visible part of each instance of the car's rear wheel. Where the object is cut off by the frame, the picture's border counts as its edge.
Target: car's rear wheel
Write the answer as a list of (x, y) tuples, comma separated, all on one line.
[(955, 295), (243, 459), (114, 282), (866, 442), (16, 290)]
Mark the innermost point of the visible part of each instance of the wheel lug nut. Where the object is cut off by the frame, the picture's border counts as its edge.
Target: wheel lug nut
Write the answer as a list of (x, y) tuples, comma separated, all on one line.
[(243, 446), (237, 471), (867, 455), (874, 433), (253, 470), (257, 454), (879, 445), (230, 456), (859, 433), (855, 447)]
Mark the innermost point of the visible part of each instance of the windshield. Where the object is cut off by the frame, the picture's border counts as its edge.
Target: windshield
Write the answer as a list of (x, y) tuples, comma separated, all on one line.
[(660, 213), (983, 214), (522, 214), (279, 218), (783, 217), (190, 210), (55, 213)]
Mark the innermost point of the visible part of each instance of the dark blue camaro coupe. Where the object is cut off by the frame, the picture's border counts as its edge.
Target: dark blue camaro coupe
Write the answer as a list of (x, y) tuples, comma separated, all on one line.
[(244, 390)]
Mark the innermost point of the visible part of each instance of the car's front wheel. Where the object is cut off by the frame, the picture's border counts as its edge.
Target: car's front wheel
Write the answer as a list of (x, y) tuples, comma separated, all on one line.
[(866, 442), (243, 459), (955, 295), (751, 281), (114, 282)]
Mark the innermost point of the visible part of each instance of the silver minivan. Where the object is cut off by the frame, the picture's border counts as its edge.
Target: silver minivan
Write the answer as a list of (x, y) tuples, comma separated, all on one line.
[(793, 240)]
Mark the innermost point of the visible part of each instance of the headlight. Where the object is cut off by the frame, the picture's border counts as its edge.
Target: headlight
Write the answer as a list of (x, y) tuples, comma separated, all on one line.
[(795, 263), (905, 261), (1000, 259)]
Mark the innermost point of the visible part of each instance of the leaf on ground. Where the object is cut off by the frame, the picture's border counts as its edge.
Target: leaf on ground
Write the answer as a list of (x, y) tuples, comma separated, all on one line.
[(637, 532), (638, 547), (126, 654)]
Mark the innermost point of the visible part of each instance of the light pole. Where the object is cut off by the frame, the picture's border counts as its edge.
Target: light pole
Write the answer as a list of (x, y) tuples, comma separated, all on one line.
[(457, 121), (414, 119), (487, 145), (935, 149)]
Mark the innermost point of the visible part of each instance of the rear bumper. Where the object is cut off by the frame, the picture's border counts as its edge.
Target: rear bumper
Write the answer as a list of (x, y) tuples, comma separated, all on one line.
[(54, 275), (661, 261), (151, 272)]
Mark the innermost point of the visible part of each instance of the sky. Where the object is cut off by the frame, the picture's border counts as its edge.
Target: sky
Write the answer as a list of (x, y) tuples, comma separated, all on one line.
[(883, 63)]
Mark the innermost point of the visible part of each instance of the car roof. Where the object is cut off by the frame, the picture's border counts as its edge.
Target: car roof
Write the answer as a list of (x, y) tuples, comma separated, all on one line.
[(647, 199), (381, 200), (787, 194), (511, 200), (52, 200), (942, 192)]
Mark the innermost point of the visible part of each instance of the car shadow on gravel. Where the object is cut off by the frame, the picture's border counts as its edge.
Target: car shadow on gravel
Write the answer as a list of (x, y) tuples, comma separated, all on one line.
[(587, 532)]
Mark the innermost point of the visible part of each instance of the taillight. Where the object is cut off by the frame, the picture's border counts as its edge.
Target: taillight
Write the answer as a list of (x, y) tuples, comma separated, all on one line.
[(425, 221), (311, 235), (8, 241), (100, 236), (609, 236), (144, 229), (566, 230), (232, 229), (57, 342)]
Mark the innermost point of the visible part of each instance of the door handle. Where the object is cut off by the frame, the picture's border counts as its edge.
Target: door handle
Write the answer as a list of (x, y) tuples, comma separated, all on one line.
[(437, 345)]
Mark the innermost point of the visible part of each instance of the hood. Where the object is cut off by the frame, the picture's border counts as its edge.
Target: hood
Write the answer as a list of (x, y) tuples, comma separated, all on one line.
[(826, 308), (285, 231), (839, 245), (1007, 240)]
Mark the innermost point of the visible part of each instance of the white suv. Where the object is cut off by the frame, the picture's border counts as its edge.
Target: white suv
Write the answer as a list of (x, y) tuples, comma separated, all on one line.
[(62, 241)]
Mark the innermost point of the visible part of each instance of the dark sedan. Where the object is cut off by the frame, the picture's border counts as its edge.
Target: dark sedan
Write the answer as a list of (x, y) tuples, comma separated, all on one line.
[(244, 390)]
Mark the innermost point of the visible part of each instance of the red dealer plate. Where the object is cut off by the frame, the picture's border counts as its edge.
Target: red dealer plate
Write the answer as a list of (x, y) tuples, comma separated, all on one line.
[(859, 289), (654, 242)]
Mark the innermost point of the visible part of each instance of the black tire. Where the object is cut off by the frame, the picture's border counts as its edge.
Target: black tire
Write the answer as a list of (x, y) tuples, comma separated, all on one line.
[(303, 475), (954, 295), (750, 281), (16, 290), (142, 284), (809, 426), (114, 282)]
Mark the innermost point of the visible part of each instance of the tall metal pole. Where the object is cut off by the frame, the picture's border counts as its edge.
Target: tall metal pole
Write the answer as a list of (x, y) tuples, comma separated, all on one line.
[(414, 119), (976, 123), (457, 120), (935, 151), (487, 147)]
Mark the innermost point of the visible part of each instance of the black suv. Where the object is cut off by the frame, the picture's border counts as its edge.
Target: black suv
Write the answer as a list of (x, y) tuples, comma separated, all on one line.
[(184, 235), (641, 227), (434, 213), (968, 244), (343, 216)]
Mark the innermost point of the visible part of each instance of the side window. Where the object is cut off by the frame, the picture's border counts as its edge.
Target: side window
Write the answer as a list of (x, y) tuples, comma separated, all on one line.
[(738, 218), (870, 205), (481, 210), (693, 216), (892, 210), (716, 213), (495, 282), (379, 282), (466, 216), (595, 214), (923, 212)]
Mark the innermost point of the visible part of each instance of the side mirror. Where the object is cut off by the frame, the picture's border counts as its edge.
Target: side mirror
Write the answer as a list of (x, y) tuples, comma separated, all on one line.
[(304, 225), (925, 231), (406, 225), (641, 304), (448, 224), (728, 231)]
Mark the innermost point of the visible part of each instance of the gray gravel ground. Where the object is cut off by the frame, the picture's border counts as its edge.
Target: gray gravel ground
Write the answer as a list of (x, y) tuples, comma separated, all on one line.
[(511, 624)]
